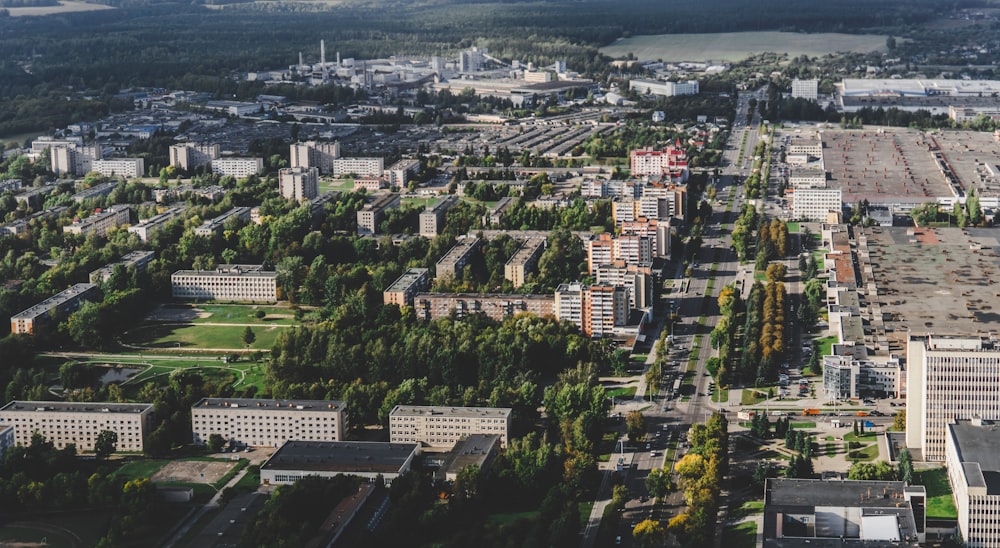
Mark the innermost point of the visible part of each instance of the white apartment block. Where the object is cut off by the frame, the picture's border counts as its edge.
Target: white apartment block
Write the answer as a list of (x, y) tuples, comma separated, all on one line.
[(189, 156), (52, 310), (607, 308), (400, 173), (442, 427), (815, 204), (100, 223), (600, 250), (123, 167), (314, 154), (805, 89), (633, 249), (238, 167), (636, 280), (228, 282), (665, 89), (63, 423), (297, 183), (147, 227), (360, 167), (73, 159), (973, 465), (267, 423), (846, 377), (432, 218), (570, 301), (948, 379), (6, 439)]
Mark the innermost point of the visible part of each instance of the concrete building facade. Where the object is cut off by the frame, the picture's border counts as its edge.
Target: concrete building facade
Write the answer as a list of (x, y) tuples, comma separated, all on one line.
[(214, 226), (805, 89), (815, 204), (441, 427), (46, 314), (267, 423), (297, 459), (523, 262), (499, 307), (296, 183), (63, 423), (402, 291), (245, 283), (974, 473), (371, 214), (137, 259), (122, 167), (190, 156), (147, 227), (237, 167), (453, 262), (432, 218), (100, 223)]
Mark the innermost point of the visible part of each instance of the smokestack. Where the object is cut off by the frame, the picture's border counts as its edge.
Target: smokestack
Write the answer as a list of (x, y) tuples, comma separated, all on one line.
[(300, 58), (338, 58), (322, 53)]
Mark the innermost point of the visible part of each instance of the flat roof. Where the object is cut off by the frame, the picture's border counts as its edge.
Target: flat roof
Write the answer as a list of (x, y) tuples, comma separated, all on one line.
[(55, 300), (341, 456), (458, 251), (75, 407), (526, 251), (977, 451), (410, 277), (231, 270), (331, 406), (847, 493), (472, 450), (487, 296), (940, 279), (463, 412)]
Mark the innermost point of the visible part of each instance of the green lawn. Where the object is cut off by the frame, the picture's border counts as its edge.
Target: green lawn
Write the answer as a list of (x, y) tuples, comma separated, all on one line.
[(866, 453), (626, 392), (608, 441), (201, 336), (752, 397), (803, 425), (143, 468), (743, 535), (585, 509), (867, 437), (748, 508), (940, 503), (157, 369), (792, 227), (343, 185), (825, 344), (720, 395)]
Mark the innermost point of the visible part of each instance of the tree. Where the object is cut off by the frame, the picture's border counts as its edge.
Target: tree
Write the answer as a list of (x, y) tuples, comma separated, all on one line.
[(658, 482), (636, 426), (84, 326), (899, 421), (248, 337), (649, 533), (215, 442), (105, 444), (905, 466)]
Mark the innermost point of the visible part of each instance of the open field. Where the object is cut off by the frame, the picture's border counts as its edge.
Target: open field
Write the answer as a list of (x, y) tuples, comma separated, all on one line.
[(740, 535), (223, 313), (66, 6), (158, 368), (192, 336), (734, 46)]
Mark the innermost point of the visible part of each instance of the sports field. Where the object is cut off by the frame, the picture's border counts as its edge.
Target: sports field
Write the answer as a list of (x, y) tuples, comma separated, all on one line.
[(211, 338), (734, 46)]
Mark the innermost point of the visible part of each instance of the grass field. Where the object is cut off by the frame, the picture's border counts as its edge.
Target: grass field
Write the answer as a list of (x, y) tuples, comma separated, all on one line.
[(201, 337), (940, 503), (626, 392), (140, 469), (752, 397), (748, 508), (342, 185), (246, 314), (740, 535)]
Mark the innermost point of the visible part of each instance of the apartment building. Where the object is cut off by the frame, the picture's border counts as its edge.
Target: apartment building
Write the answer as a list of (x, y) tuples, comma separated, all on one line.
[(238, 167), (21, 226), (370, 460), (606, 308), (122, 167), (147, 227), (496, 213), (402, 291), (34, 197), (402, 172), (314, 154), (657, 230), (600, 250), (46, 314), (432, 218), (636, 279), (570, 300), (63, 423), (453, 262), (267, 423), (948, 379), (358, 167), (371, 214), (6, 439), (815, 204), (73, 159), (524, 261), (100, 223), (229, 282), (973, 465), (633, 249), (671, 161), (496, 306), (137, 259), (297, 183), (441, 427), (214, 226), (97, 191), (846, 377), (190, 156), (665, 89)]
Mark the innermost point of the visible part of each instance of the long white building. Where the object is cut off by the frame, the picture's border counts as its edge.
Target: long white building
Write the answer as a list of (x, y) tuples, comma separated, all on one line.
[(51, 311), (441, 427), (63, 423), (267, 423), (948, 379), (974, 473), (147, 227), (228, 282), (238, 167), (100, 223), (124, 167), (815, 204), (665, 89)]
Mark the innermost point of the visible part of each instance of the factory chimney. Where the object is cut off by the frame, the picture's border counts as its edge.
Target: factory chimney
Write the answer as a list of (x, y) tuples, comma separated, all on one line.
[(338, 58), (300, 58), (322, 53)]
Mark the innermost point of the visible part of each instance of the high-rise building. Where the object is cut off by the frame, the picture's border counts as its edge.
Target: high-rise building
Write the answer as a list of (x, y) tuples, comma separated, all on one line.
[(189, 156), (606, 308), (805, 89), (524, 261), (432, 218), (371, 214), (297, 183), (948, 379), (71, 159), (974, 473), (672, 161)]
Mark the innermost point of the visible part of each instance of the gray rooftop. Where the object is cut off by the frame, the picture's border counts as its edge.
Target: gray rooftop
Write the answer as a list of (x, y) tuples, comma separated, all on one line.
[(75, 407), (861, 494), (465, 412), (977, 450), (411, 276), (229, 270), (274, 405), (341, 456), (55, 300)]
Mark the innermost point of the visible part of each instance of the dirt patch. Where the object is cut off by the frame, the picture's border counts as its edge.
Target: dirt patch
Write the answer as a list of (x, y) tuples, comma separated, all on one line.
[(176, 314), (192, 471)]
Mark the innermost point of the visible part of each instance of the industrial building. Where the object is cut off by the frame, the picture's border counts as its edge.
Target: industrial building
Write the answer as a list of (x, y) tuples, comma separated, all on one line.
[(366, 459), (266, 422), (64, 423), (441, 427)]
